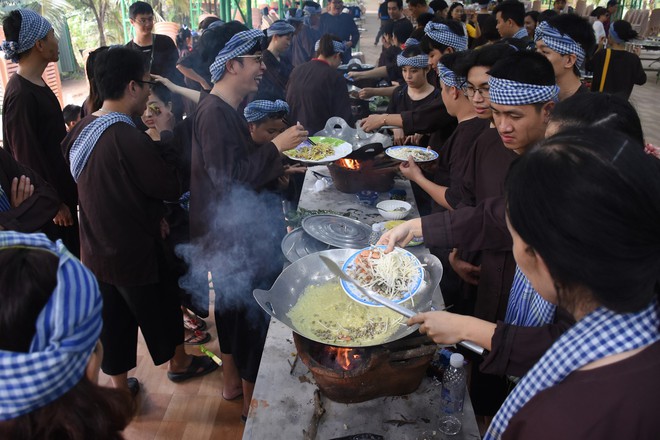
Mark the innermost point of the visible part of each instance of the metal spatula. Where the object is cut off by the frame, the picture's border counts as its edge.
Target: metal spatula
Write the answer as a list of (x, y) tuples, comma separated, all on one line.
[(335, 269)]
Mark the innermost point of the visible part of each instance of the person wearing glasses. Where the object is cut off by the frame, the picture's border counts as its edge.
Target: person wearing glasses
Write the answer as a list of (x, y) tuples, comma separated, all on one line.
[(236, 225), (159, 51), (342, 25), (32, 120), (123, 177)]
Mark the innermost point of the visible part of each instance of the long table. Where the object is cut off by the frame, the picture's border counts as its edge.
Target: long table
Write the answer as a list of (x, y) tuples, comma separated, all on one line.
[(282, 405)]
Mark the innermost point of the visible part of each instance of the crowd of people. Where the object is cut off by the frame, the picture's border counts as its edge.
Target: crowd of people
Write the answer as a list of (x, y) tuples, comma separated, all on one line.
[(544, 207)]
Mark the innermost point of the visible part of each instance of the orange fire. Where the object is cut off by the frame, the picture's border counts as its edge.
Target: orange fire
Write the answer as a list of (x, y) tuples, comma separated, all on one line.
[(344, 357), (351, 164)]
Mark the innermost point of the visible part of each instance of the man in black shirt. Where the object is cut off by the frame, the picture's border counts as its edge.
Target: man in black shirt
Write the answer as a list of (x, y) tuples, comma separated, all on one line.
[(342, 25)]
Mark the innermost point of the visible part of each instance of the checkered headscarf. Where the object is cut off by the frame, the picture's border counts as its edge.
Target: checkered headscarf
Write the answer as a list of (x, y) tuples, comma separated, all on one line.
[(309, 11), (338, 46), (411, 42), (84, 145), (526, 307), (240, 44), (297, 16), (449, 77), (563, 44), (507, 92), (259, 109), (419, 61), (67, 330), (280, 28), (441, 33), (600, 334), (33, 28)]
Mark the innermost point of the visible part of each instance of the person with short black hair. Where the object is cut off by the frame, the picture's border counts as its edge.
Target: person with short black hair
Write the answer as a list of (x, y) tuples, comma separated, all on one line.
[(615, 69), (71, 114), (302, 44), (317, 91), (275, 57), (600, 15), (559, 6), (566, 40), (384, 17), (50, 351), (417, 8), (235, 225), (440, 8), (123, 178), (159, 52), (531, 21), (335, 22), (547, 15), (393, 38), (32, 121), (403, 25), (612, 6), (510, 16)]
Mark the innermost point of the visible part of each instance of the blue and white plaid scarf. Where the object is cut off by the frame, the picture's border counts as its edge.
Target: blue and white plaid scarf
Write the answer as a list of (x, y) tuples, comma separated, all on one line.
[(526, 307), (507, 92), (441, 33), (67, 330), (261, 108), (563, 44), (411, 42), (449, 77), (337, 46), (83, 146), (419, 61), (280, 28), (33, 28), (309, 11), (521, 34), (4, 201), (297, 16), (240, 44), (600, 334)]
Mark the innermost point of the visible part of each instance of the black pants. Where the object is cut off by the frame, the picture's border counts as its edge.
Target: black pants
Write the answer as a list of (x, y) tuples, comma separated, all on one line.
[(154, 308)]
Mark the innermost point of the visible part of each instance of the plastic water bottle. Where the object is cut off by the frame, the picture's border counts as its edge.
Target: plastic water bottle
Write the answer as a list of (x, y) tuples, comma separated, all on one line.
[(453, 395), (376, 232)]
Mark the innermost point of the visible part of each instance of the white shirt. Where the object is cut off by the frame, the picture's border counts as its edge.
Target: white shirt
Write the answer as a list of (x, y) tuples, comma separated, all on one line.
[(599, 30)]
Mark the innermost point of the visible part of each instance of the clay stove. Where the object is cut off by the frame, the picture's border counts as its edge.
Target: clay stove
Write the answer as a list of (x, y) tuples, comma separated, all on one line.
[(351, 375), (365, 169)]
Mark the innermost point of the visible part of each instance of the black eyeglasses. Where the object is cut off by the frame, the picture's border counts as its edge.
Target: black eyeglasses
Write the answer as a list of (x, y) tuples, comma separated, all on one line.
[(258, 58), (151, 83), (470, 91)]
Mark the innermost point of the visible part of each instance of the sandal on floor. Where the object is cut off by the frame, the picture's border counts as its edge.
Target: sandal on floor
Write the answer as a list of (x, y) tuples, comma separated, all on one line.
[(199, 366), (193, 322), (133, 386), (197, 338)]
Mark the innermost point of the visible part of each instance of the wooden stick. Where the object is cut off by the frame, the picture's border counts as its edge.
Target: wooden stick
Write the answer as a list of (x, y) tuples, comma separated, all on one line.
[(312, 428)]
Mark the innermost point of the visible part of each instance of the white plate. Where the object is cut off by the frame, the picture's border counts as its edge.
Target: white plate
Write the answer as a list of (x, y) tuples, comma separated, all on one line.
[(355, 294), (402, 152), (341, 149)]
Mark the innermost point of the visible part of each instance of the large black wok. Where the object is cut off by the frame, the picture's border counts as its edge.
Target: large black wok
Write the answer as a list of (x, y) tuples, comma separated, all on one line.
[(310, 270)]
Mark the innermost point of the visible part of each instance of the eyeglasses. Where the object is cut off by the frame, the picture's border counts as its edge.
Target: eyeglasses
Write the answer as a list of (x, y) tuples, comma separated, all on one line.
[(151, 83), (258, 58), (470, 91), (145, 20)]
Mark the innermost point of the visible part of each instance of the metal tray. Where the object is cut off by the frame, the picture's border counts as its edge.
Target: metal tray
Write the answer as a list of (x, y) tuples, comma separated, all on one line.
[(297, 244), (338, 231)]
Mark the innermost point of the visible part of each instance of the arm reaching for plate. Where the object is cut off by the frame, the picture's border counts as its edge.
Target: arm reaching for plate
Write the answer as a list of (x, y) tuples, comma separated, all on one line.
[(401, 235), (451, 328)]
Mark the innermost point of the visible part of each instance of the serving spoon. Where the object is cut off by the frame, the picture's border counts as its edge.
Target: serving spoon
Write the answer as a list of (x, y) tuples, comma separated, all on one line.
[(335, 269)]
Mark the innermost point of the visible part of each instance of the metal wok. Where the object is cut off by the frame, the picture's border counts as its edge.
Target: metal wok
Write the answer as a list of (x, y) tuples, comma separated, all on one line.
[(310, 270)]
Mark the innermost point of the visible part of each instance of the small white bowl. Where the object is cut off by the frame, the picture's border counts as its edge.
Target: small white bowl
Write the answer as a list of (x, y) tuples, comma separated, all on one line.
[(394, 209)]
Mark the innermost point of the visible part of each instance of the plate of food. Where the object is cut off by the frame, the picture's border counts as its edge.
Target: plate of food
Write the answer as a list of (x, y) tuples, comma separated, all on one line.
[(326, 149), (396, 276), (419, 154)]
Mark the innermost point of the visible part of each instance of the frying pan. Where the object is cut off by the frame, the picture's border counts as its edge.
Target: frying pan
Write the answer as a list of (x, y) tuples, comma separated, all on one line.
[(311, 270)]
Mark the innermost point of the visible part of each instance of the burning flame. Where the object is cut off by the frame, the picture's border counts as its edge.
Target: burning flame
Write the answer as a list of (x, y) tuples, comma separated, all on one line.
[(351, 164), (344, 357)]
